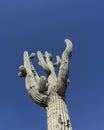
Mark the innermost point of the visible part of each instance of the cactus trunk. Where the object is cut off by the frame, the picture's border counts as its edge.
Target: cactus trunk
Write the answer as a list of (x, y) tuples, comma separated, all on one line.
[(57, 113)]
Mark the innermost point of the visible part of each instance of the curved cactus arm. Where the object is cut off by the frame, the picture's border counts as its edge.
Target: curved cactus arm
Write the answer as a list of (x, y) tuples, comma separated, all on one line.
[(64, 68), (42, 62), (68, 50), (58, 61), (32, 80), (38, 98)]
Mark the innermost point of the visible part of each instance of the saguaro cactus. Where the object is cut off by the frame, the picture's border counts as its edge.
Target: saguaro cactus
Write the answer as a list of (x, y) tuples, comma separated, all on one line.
[(49, 93)]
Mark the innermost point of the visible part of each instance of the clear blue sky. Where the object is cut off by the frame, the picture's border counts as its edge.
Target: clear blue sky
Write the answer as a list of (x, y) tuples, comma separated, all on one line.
[(43, 25)]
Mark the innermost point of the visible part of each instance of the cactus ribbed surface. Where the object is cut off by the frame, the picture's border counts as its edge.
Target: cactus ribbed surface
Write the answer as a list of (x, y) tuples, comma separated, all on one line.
[(49, 92), (57, 113)]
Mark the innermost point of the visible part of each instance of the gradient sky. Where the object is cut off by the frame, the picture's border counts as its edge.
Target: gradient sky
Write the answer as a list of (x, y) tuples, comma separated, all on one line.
[(43, 25)]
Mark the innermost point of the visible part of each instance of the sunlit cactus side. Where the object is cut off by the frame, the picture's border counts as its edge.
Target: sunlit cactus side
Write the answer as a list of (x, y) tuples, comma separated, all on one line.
[(49, 92)]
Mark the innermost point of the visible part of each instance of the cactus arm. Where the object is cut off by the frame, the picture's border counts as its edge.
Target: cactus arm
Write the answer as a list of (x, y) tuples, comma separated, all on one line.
[(42, 63), (42, 84), (36, 76), (69, 47), (37, 97), (29, 79), (58, 61), (49, 62), (41, 81), (64, 68), (31, 82)]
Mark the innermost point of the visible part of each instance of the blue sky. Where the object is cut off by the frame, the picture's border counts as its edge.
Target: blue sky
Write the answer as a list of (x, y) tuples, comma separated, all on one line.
[(43, 25)]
